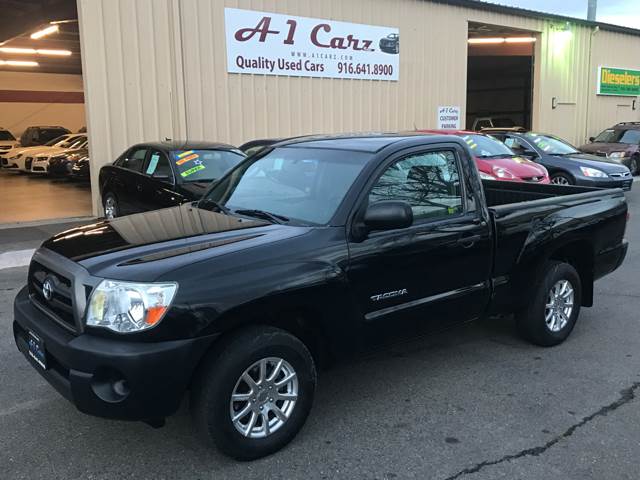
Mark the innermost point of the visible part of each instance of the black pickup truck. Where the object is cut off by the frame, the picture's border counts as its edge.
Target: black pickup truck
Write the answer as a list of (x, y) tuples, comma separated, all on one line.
[(313, 250)]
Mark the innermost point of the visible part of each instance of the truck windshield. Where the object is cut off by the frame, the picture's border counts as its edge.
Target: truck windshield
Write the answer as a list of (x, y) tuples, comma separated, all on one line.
[(204, 165), (6, 135), (486, 146), (631, 137), (551, 145), (304, 185)]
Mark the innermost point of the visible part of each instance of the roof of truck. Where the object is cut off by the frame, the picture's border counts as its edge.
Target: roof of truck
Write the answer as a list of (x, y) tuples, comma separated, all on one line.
[(370, 142)]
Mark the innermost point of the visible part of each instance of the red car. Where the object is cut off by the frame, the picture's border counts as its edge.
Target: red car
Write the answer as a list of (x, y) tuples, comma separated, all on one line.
[(496, 161)]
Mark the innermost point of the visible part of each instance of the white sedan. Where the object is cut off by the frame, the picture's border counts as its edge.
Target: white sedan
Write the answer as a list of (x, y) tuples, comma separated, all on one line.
[(20, 158), (40, 160)]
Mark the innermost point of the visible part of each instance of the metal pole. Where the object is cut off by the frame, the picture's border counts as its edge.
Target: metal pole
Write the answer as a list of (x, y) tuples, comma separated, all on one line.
[(591, 10)]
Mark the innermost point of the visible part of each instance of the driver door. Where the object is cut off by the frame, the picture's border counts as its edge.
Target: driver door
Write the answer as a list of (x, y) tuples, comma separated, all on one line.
[(435, 272)]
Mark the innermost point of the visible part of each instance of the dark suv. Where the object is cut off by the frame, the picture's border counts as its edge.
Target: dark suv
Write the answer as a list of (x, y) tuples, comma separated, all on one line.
[(40, 135), (620, 143)]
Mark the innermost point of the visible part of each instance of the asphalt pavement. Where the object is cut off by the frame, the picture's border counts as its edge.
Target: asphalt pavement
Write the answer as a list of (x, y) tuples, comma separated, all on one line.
[(474, 403)]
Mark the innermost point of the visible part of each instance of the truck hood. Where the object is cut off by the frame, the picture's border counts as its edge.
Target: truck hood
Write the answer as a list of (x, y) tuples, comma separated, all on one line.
[(161, 240)]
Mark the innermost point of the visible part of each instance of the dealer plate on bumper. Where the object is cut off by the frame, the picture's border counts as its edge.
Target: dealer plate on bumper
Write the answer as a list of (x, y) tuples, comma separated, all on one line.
[(36, 350)]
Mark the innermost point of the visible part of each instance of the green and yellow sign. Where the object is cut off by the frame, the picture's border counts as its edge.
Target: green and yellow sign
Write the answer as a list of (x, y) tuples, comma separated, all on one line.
[(618, 81)]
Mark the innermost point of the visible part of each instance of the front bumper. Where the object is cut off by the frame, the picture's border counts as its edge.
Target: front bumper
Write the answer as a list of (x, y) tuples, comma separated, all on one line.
[(625, 183), (7, 163), (86, 369)]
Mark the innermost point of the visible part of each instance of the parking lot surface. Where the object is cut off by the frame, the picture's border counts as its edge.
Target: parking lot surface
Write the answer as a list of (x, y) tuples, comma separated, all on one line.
[(473, 403)]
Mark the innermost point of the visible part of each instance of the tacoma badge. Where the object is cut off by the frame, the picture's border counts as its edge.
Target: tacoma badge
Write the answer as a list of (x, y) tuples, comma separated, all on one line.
[(384, 296)]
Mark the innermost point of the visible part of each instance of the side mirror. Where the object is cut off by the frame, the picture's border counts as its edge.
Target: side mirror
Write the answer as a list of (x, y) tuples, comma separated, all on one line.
[(591, 139), (388, 215)]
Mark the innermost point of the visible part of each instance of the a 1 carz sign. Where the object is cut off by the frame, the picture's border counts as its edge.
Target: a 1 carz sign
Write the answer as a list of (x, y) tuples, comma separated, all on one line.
[(274, 44)]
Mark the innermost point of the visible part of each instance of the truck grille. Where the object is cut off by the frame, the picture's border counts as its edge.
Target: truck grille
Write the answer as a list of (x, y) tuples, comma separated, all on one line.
[(28, 162), (60, 303)]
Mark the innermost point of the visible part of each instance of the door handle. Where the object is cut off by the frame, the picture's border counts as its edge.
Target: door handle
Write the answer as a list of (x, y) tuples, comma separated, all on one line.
[(468, 242), (139, 187)]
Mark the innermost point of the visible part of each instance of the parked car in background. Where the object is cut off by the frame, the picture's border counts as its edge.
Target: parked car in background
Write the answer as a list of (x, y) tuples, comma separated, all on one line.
[(322, 249), (149, 176), (621, 143), (81, 169), (495, 160), (40, 163), (40, 135), (17, 157), (564, 162), (490, 122), (7, 141), (62, 165)]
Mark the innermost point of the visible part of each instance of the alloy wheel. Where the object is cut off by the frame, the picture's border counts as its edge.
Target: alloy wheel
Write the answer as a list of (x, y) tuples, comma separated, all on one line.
[(264, 397), (559, 305), (560, 180)]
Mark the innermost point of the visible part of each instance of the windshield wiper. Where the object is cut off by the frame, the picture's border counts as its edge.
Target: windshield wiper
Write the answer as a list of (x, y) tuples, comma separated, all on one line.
[(208, 204), (273, 217)]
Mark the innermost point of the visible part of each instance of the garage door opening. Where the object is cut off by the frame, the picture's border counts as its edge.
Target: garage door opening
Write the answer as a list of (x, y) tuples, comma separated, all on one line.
[(43, 139), (499, 76)]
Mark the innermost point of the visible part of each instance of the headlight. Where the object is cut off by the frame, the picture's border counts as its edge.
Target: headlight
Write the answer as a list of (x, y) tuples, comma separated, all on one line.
[(502, 173), (486, 176), (592, 172), (618, 154), (129, 307)]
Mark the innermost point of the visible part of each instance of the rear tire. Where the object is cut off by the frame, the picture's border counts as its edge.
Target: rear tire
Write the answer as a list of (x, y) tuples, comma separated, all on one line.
[(223, 374), (562, 179), (554, 307), (110, 204)]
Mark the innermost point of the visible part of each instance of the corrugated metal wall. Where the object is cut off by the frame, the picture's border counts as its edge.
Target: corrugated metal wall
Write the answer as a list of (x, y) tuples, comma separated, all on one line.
[(157, 68)]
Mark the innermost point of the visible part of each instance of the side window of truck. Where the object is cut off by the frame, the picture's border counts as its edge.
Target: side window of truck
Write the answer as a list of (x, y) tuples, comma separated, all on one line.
[(429, 182)]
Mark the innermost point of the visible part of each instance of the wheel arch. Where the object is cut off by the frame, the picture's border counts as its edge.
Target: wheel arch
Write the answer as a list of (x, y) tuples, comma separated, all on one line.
[(580, 255)]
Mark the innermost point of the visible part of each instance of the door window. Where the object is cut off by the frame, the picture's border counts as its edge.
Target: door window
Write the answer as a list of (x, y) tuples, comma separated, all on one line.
[(158, 166), (134, 159), (429, 182)]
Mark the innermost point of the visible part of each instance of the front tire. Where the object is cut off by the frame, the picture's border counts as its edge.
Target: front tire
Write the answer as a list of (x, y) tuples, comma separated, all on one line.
[(253, 392), (554, 307), (562, 179)]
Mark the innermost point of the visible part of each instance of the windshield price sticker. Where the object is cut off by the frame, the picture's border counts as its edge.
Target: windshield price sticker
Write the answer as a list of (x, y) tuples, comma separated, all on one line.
[(192, 170), (275, 44)]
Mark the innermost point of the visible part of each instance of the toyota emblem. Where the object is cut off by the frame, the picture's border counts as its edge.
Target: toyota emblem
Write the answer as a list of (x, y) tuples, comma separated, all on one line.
[(47, 289)]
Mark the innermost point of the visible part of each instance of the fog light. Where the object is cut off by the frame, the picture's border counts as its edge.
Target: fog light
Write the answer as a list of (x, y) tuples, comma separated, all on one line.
[(110, 385)]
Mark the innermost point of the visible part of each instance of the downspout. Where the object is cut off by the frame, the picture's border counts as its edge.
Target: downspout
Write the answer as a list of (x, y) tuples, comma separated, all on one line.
[(589, 83)]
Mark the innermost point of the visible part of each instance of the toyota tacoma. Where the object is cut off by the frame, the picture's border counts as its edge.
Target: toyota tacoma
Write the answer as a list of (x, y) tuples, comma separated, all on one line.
[(313, 250)]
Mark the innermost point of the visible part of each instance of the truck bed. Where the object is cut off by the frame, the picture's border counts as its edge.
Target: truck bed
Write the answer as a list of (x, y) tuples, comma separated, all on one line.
[(505, 193)]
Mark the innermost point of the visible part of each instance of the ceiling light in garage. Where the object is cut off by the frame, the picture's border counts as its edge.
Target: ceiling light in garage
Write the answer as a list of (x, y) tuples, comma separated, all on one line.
[(44, 51), (486, 40), (494, 40), (33, 51), (520, 39), (45, 31), (18, 63)]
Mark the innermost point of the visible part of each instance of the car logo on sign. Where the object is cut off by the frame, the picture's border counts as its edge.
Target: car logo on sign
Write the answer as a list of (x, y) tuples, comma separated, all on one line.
[(47, 289)]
